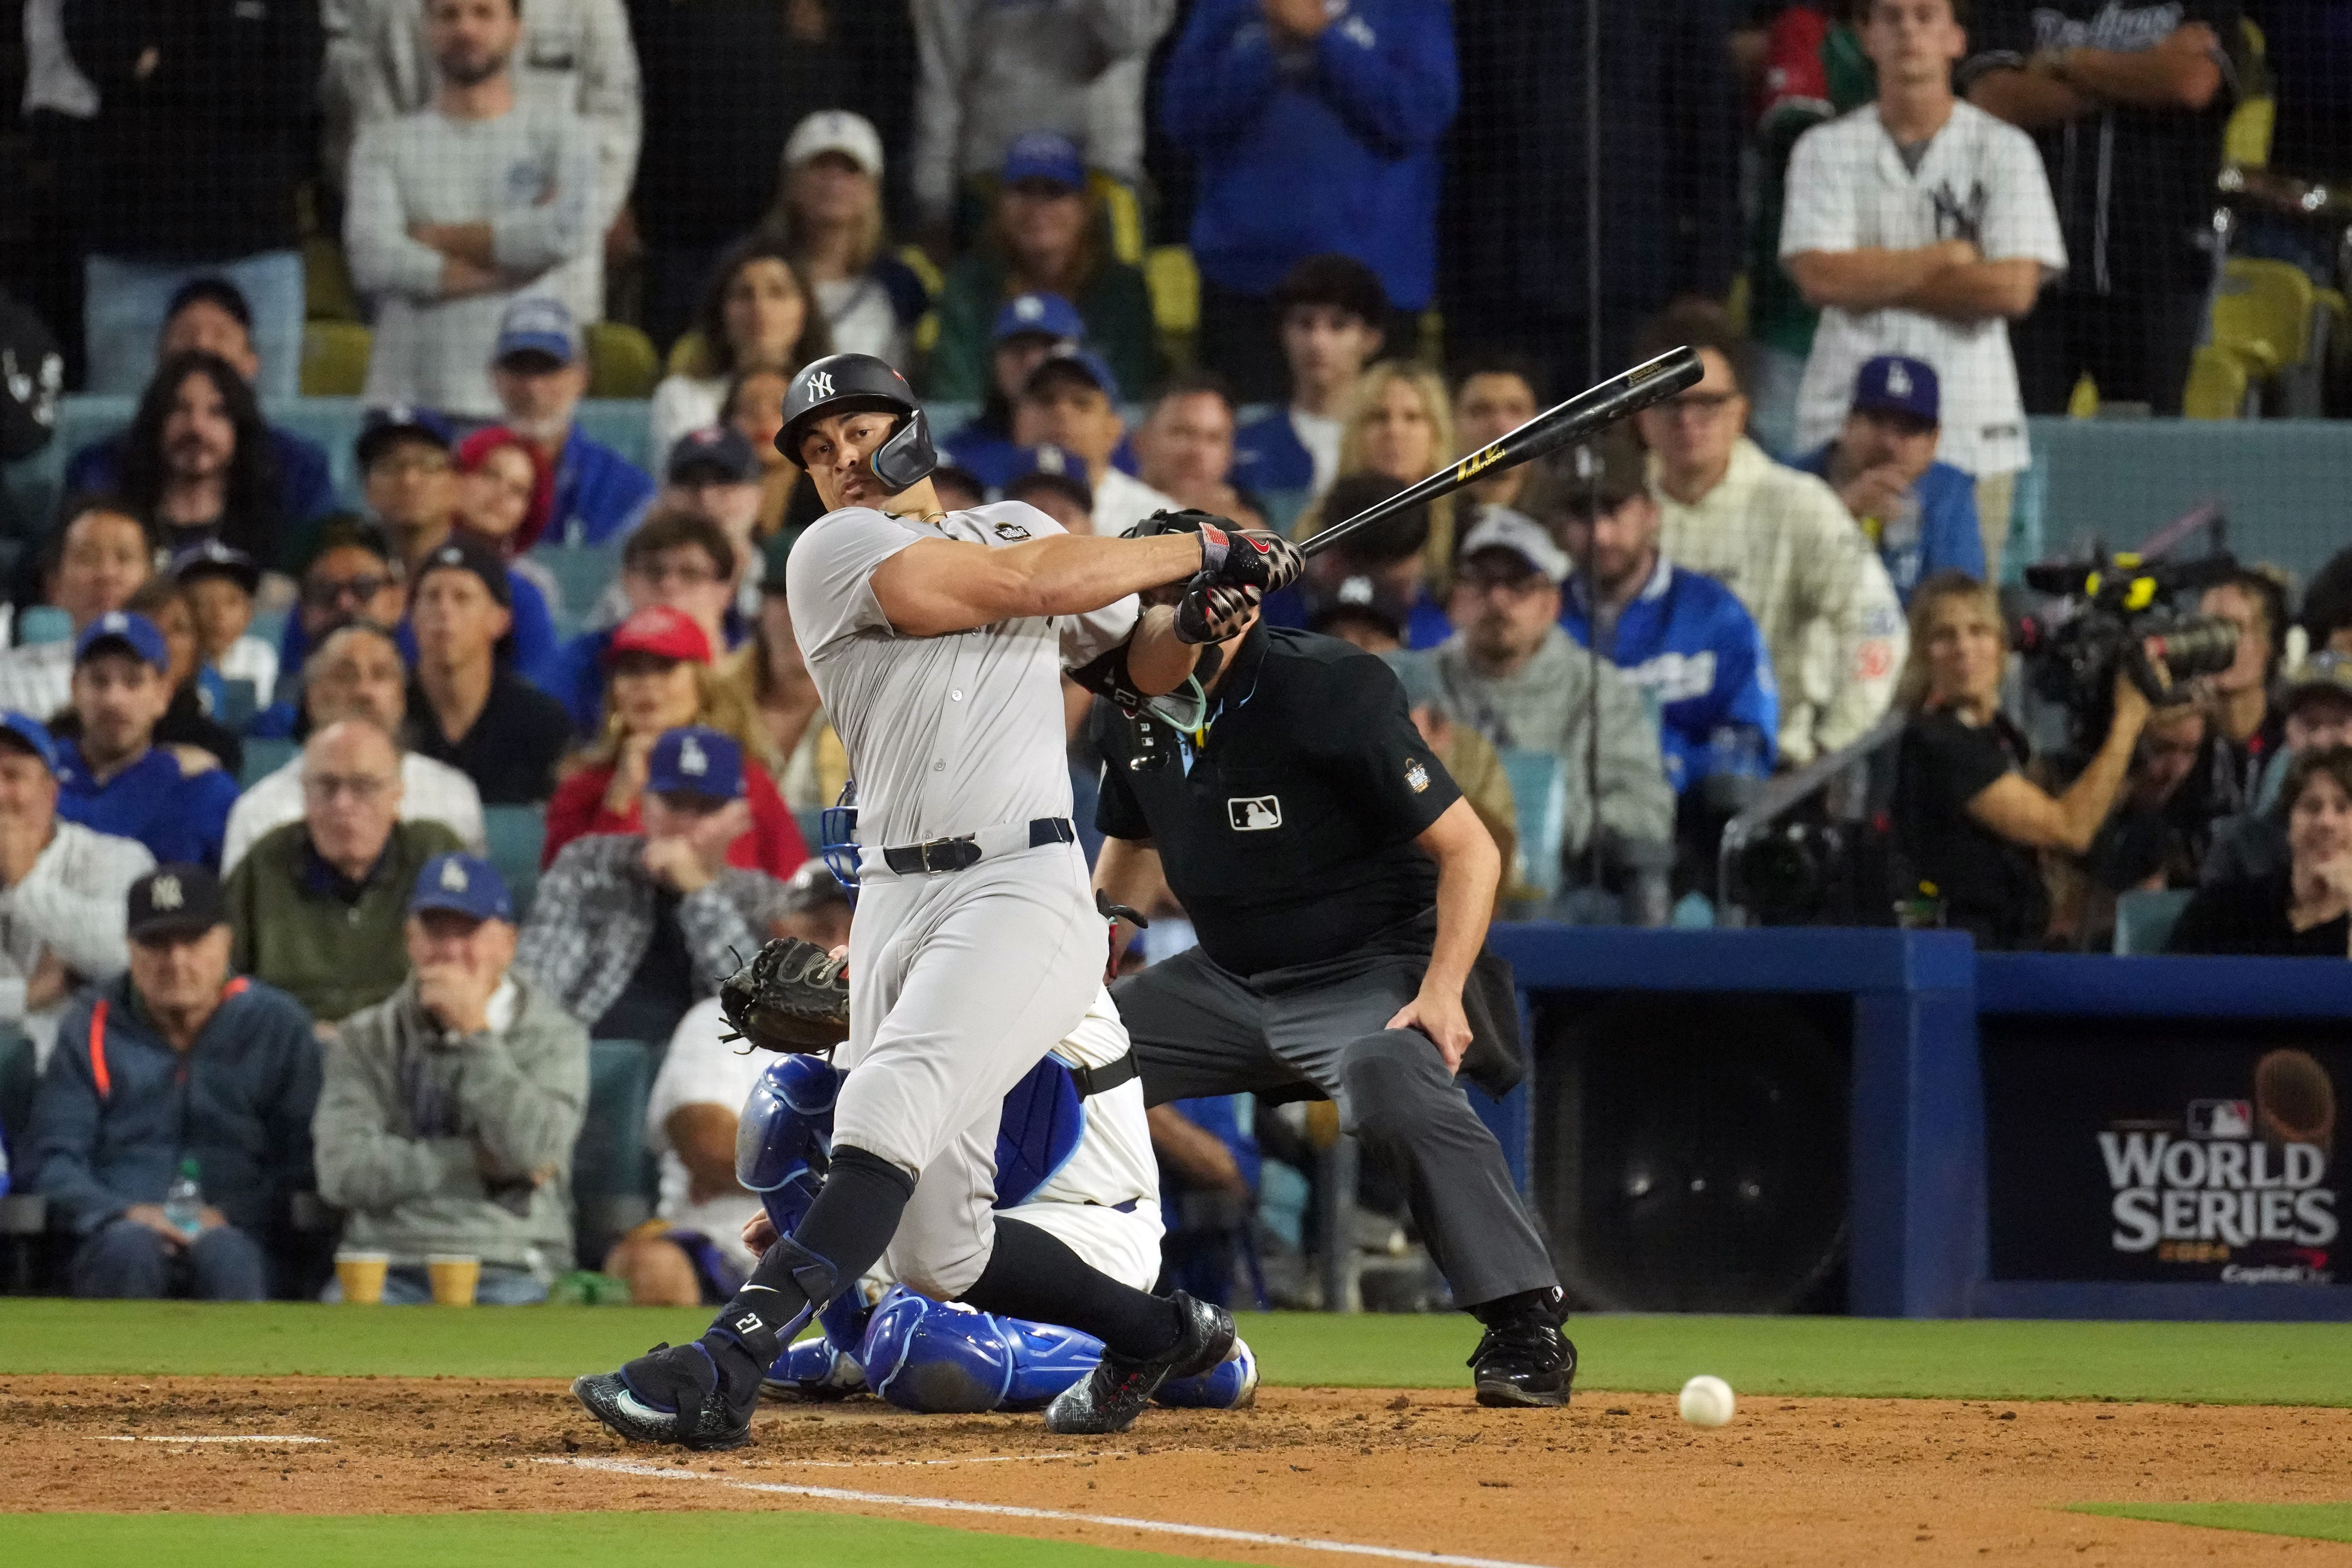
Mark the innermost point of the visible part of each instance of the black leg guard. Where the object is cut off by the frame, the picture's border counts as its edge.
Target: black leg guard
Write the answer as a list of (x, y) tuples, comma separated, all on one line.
[(1034, 1275)]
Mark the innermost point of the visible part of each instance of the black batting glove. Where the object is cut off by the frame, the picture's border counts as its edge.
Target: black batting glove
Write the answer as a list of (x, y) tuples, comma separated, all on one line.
[(1249, 557), (1210, 611)]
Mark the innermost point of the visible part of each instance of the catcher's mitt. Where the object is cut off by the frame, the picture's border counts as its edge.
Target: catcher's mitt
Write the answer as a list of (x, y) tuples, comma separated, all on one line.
[(790, 997)]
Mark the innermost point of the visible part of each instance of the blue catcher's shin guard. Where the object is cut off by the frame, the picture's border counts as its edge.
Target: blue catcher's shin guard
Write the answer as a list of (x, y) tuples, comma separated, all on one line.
[(941, 1357), (1230, 1384)]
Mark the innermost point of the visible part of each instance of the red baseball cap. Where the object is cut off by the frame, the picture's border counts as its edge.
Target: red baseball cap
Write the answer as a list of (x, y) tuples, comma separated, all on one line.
[(663, 632)]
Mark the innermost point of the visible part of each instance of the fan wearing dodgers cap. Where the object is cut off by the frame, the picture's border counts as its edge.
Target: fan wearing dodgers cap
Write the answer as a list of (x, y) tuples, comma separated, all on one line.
[(540, 371), (1028, 327), (448, 1110), (1041, 238), (1069, 406), (1920, 512), (938, 641), (112, 776)]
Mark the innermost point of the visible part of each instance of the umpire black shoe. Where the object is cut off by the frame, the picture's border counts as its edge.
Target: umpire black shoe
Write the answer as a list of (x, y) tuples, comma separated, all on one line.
[(1110, 1398), (1523, 1358), (670, 1395)]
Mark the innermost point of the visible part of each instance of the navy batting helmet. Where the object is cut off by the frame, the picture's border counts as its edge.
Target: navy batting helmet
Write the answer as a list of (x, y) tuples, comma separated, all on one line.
[(844, 384)]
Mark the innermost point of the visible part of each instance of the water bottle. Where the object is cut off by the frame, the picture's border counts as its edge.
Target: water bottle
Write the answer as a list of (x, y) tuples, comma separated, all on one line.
[(183, 1202)]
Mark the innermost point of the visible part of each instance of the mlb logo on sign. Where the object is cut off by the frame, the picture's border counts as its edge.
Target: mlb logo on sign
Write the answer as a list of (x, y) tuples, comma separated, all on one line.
[(2220, 1119), (1254, 814)]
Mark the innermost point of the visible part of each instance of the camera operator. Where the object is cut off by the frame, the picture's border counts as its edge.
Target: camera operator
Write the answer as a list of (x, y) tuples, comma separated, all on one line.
[(1966, 817), (2250, 724), (2161, 828), (2302, 909)]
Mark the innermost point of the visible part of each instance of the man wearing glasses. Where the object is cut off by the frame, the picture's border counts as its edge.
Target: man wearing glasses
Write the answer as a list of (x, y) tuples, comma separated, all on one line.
[(357, 673), (318, 905), (1779, 539)]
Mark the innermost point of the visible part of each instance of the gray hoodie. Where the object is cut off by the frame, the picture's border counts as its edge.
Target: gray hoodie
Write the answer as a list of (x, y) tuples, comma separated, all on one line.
[(1547, 707), (430, 1140)]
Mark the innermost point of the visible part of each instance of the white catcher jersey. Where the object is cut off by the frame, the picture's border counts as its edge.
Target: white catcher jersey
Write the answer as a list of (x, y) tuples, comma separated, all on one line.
[(1981, 180), (945, 734)]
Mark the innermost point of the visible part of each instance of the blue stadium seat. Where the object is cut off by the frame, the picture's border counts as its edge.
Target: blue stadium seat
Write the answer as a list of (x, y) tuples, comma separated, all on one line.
[(263, 758), (2145, 919), (1539, 792), (516, 834)]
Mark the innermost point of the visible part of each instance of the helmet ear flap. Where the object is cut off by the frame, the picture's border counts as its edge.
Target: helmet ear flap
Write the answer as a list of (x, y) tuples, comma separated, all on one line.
[(907, 458)]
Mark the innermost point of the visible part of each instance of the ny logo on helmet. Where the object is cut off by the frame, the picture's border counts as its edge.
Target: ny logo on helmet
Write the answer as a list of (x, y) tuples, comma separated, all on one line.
[(166, 894), (821, 383)]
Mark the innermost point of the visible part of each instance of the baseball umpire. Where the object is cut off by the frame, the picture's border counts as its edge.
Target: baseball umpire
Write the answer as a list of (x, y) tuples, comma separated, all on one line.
[(937, 640), (1341, 886)]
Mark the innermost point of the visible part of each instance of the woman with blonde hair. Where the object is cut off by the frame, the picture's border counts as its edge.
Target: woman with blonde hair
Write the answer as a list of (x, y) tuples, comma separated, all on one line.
[(661, 680), (828, 216), (758, 312), (1400, 426), (1968, 820)]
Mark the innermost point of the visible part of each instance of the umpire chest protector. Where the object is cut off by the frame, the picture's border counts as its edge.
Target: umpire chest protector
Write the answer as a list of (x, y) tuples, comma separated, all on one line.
[(1287, 823)]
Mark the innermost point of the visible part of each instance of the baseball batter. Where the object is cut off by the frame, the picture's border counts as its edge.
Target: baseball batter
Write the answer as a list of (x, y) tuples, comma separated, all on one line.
[(937, 640)]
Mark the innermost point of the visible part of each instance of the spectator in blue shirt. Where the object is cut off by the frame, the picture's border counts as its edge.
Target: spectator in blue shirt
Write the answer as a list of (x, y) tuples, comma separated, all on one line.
[(210, 315), (540, 374), (1331, 317), (1684, 638), (1028, 327), (112, 776), (1314, 128), (1920, 513)]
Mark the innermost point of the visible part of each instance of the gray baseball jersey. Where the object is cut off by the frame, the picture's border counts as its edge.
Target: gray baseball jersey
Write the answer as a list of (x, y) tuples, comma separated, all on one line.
[(945, 734), (964, 978)]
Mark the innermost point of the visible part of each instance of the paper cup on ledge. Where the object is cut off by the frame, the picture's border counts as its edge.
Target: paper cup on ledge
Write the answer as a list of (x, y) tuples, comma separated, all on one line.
[(360, 1276), (454, 1276)]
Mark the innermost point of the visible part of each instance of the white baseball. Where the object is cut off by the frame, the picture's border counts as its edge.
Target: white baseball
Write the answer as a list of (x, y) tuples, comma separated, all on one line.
[(1707, 1400)]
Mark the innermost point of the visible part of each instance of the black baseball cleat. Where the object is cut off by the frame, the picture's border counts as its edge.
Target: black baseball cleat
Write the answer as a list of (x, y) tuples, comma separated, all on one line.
[(1110, 1398), (1523, 1358), (669, 1394)]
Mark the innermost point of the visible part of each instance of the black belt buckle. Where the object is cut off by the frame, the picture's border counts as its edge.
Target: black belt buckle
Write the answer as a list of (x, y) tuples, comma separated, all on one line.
[(935, 854)]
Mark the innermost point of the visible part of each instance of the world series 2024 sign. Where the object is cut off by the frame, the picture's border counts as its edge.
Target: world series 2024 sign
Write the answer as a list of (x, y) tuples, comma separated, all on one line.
[(2176, 1151)]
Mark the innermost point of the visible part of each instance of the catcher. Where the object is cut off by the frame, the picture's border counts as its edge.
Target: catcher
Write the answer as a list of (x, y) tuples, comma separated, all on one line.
[(1073, 1157)]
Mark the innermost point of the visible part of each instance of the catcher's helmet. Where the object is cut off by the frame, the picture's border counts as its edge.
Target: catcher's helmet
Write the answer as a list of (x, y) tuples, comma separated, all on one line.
[(842, 383)]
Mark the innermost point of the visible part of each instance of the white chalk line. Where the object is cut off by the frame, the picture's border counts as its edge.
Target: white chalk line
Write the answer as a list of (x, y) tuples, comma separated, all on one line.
[(191, 1438), (1011, 1511)]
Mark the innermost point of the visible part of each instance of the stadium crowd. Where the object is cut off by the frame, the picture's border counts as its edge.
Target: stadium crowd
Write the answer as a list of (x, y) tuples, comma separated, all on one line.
[(261, 742)]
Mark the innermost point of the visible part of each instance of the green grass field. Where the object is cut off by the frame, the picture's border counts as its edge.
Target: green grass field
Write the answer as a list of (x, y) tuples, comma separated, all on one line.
[(2314, 1520), (574, 1539), (2231, 1363)]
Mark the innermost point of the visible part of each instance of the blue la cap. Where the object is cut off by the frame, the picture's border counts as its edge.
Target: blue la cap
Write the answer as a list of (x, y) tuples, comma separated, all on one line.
[(1045, 155), (1084, 361), (35, 736), (537, 325), (1892, 383), (381, 426), (1047, 315), (463, 884), (696, 760), (133, 630)]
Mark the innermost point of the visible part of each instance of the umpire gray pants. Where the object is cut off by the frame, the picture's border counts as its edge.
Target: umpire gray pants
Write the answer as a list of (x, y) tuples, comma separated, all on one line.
[(1201, 1030)]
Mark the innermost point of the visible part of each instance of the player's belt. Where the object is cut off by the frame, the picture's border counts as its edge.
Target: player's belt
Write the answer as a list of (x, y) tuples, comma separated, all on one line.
[(970, 848), (1092, 1081)]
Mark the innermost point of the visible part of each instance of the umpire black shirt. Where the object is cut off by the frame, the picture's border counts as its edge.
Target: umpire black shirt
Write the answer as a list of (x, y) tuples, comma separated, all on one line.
[(1287, 828)]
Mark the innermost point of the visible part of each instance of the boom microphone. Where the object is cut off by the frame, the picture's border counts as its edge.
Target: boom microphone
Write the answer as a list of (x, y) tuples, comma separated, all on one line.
[(1588, 412)]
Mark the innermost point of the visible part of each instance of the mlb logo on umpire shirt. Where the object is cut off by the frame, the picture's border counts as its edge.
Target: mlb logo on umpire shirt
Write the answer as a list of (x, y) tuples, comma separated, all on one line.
[(1254, 814)]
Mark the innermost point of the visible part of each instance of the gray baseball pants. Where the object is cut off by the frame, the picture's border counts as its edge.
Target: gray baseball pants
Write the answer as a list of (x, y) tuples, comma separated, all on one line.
[(1200, 1030)]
